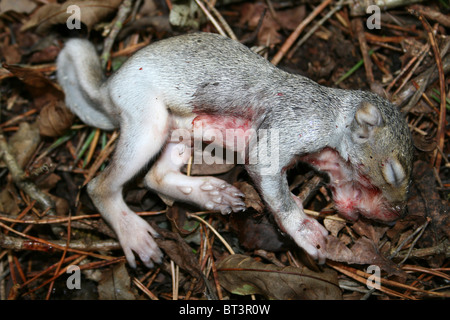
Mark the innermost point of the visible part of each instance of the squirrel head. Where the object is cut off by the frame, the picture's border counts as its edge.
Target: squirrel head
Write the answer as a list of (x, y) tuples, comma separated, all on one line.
[(382, 153)]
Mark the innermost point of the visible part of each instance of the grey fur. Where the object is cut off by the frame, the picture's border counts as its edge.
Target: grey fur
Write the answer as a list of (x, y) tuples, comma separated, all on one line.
[(210, 74)]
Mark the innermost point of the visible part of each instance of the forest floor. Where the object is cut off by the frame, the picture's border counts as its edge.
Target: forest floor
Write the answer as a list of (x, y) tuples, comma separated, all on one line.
[(50, 230)]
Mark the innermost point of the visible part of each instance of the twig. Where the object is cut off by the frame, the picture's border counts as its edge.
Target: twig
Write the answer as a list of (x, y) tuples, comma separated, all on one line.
[(129, 50), (420, 233), (211, 18), (423, 253), (405, 241), (413, 69), (144, 289), (83, 145), (318, 215), (418, 268), (359, 7), (124, 11), (175, 279), (432, 14), (213, 230), (58, 267), (359, 30), (37, 243), (221, 19), (417, 86), (76, 258), (18, 176), (294, 35), (18, 118), (109, 148), (363, 276), (272, 11), (55, 276), (135, 9), (92, 147), (214, 268), (57, 219), (316, 26)]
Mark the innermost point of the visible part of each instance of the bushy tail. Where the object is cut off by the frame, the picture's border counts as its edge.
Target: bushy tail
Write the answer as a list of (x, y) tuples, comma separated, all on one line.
[(80, 75)]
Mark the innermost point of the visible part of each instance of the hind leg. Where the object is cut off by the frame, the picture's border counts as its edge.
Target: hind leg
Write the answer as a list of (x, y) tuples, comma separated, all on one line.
[(206, 192), (141, 138)]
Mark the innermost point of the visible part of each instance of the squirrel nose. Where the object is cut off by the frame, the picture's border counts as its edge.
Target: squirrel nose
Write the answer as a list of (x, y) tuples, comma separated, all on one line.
[(399, 208)]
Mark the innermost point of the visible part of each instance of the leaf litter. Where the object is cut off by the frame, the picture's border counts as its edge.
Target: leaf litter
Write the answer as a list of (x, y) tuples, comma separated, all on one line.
[(43, 142)]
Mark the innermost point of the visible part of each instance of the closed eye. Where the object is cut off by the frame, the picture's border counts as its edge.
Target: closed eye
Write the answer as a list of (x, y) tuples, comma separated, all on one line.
[(393, 173)]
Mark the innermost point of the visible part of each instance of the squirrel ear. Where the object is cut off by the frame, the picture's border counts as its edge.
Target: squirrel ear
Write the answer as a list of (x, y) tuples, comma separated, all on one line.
[(367, 118)]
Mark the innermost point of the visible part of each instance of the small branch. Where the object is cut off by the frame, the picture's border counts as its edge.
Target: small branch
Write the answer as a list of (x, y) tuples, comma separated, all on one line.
[(18, 176), (359, 30), (425, 253), (411, 94), (294, 35), (222, 20), (124, 11), (225, 243), (432, 14), (211, 18), (19, 244), (419, 58), (316, 26), (109, 148)]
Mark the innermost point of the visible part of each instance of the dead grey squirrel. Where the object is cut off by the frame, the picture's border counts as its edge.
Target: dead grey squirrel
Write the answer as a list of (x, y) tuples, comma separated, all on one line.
[(209, 82)]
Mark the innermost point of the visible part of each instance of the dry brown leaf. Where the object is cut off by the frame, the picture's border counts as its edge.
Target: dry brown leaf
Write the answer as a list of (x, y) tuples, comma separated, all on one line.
[(334, 226), (8, 204), (269, 30), (116, 284), (256, 233), (42, 89), (424, 143), (11, 53), (4, 74), (365, 251), (177, 250), (369, 231), (47, 54), (61, 205), (243, 275), (91, 12), (425, 201), (217, 166), (338, 251), (54, 119), (290, 18), (251, 15), (177, 216), (252, 198)]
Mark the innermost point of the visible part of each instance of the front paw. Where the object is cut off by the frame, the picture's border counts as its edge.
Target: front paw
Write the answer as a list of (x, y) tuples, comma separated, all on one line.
[(136, 236), (310, 235)]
